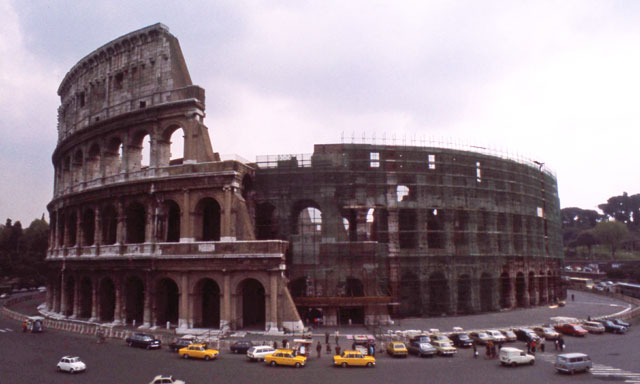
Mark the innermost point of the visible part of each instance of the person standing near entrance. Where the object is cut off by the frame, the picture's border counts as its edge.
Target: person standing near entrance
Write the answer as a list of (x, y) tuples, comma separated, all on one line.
[(319, 349)]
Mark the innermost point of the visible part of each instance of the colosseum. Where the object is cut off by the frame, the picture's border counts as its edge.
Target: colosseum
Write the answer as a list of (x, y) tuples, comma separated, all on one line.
[(149, 234)]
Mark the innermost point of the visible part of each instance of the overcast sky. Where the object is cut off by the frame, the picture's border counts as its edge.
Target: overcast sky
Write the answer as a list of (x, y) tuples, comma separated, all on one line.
[(558, 81)]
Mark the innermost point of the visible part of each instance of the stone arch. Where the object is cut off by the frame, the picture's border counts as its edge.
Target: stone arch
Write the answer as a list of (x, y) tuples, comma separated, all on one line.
[(306, 218), (266, 221), (134, 300), (465, 305), (298, 287), (520, 290), (410, 295), (532, 288), (88, 227), (171, 227), (353, 287), (438, 294), (353, 314), (136, 223), (505, 290), (69, 293), (167, 301), (107, 299), (206, 304), (208, 220), (113, 155), (92, 163), (86, 298), (171, 145), (139, 151), (109, 224), (251, 293), (486, 292)]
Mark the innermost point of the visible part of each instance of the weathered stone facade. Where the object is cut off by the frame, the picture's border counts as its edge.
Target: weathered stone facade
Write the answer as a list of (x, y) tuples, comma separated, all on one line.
[(354, 232)]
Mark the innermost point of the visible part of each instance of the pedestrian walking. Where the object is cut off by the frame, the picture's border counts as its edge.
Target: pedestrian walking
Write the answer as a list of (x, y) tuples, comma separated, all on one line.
[(488, 351), (475, 350), (326, 337), (24, 326), (353, 346), (275, 344), (533, 347), (328, 348), (556, 343), (542, 345), (573, 297), (337, 336), (338, 349), (561, 342), (285, 342), (319, 349), (528, 346)]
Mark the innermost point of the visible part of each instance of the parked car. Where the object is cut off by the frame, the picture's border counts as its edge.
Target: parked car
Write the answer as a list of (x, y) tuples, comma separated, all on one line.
[(573, 362), (621, 323), (571, 329), (71, 364), (526, 335), (461, 340), (610, 326), (421, 348), (546, 332), (444, 348), (353, 358), (440, 337), (593, 327), (143, 340), (481, 338), (496, 336), (397, 349), (514, 356), (165, 380), (285, 357), (198, 351), (258, 352), (510, 335), (241, 346), (181, 343)]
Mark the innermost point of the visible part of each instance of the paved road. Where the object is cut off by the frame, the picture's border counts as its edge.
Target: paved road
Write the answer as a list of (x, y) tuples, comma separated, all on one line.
[(31, 358)]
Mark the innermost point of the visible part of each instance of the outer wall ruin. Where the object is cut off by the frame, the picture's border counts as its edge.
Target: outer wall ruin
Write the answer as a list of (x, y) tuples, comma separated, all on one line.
[(351, 234)]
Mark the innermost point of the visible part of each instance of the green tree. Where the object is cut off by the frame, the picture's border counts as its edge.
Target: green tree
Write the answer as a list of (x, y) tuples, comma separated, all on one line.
[(612, 233), (587, 239), (624, 208)]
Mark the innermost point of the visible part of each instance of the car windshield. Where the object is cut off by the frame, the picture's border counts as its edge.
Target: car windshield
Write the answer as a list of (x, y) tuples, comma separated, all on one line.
[(463, 337), (578, 328), (482, 334), (425, 345), (445, 345)]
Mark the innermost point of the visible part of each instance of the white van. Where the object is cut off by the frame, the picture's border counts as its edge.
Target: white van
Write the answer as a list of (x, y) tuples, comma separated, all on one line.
[(514, 356), (258, 352)]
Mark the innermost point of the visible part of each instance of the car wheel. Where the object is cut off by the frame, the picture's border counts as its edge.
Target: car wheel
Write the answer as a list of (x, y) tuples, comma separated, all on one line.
[(148, 347), (571, 372), (58, 368), (207, 357), (369, 364), (273, 364), (513, 364), (532, 362), (130, 344), (343, 365), (71, 371), (185, 356), (298, 365)]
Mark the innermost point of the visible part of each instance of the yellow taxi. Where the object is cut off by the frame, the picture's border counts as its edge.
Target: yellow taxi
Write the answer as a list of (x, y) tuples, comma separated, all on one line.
[(353, 358), (397, 348), (198, 351), (285, 357)]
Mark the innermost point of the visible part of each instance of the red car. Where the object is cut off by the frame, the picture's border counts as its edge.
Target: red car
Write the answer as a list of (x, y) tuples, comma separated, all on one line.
[(571, 329)]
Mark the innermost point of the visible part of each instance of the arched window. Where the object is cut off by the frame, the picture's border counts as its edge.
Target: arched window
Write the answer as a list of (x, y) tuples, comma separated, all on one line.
[(145, 159), (136, 223), (207, 220)]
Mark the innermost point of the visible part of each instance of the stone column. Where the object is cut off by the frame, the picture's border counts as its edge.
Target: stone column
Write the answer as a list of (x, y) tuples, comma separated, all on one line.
[(121, 226), (146, 317), (79, 230), (148, 229), (225, 232), (56, 299), (226, 315), (184, 301), (97, 231), (95, 305), (186, 221), (272, 325), (76, 299), (117, 312)]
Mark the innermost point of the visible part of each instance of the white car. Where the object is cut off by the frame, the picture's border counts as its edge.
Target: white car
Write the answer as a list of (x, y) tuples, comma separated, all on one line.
[(497, 336), (514, 356), (71, 364), (166, 380), (593, 327), (258, 352)]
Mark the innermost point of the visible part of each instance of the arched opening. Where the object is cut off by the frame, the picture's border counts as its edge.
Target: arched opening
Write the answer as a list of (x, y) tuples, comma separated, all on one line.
[(78, 161), (207, 304), (167, 301), (107, 300), (309, 222), (486, 292), (72, 226), (532, 288), (410, 295), (69, 292), (171, 147), (402, 192), (113, 157), (134, 300), (109, 225), (438, 294), (298, 287), (266, 222), (505, 290), (542, 288), (139, 151), (208, 217), (136, 223), (520, 290), (353, 314), (464, 295), (253, 304), (88, 227), (145, 160), (86, 298), (93, 162), (172, 224)]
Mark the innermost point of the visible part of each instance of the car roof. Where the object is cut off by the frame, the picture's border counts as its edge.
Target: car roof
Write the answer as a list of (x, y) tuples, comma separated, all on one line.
[(284, 350), (511, 349), (572, 354)]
